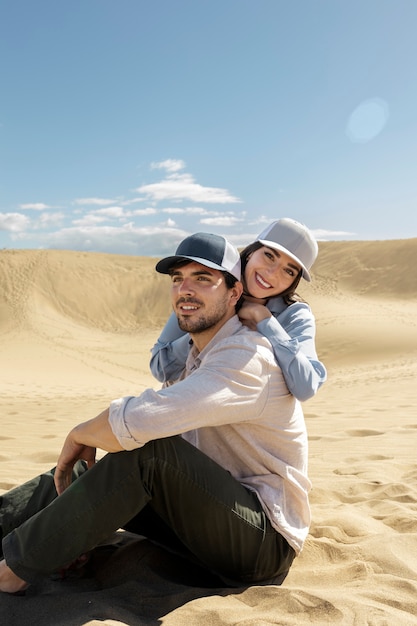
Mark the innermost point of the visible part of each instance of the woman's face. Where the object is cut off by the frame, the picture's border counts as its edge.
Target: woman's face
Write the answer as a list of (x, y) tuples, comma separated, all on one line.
[(269, 272)]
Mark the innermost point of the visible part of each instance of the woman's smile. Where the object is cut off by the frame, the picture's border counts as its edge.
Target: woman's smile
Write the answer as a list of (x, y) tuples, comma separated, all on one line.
[(263, 283)]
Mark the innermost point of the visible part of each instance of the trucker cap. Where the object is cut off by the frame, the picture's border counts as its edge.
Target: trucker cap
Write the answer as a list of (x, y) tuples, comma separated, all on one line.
[(294, 239), (210, 250)]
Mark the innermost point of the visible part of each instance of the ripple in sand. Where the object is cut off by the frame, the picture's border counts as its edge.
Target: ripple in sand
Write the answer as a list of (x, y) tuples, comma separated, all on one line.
[(363, 432), (43, 457)]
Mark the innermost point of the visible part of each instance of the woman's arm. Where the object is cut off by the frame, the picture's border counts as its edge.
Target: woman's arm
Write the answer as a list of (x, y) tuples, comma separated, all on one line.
[(292, 336), (170, 351)]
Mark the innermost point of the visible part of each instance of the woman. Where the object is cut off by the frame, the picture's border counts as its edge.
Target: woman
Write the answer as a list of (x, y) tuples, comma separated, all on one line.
[(272, 267)]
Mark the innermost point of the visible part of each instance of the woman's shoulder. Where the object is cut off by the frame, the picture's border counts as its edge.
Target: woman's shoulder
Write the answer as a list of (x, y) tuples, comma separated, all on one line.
[(278, 306)]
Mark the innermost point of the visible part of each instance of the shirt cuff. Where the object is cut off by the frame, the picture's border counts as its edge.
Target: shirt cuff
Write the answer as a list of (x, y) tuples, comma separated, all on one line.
[(118, 424)]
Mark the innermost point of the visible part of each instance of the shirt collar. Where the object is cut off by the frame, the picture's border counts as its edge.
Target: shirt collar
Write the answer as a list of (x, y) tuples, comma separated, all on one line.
[(231, 327)]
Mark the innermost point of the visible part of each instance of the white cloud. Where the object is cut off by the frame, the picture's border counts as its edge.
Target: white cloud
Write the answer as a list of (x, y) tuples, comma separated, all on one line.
[(34, 206), (132, 201), (221, 220), (113, 211), (89, 220), (183, 186), (127, 239), (262, 219), (94, 201), (147, 211), (14, 222), (186, 210), (321, 233), (170, 165), (49, 219)]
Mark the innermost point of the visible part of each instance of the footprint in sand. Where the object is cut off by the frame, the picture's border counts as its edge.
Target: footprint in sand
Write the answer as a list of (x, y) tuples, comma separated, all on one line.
[(7, 486)]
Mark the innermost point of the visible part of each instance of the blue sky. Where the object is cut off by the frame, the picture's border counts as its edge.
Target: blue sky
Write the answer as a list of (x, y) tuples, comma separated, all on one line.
[(126, 125)]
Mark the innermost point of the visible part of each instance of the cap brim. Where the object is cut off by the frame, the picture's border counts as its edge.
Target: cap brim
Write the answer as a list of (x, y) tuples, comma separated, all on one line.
[(275, 246), (164, 265)]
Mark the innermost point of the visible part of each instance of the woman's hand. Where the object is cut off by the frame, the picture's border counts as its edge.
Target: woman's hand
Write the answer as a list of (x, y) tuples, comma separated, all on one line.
[(252, 312)]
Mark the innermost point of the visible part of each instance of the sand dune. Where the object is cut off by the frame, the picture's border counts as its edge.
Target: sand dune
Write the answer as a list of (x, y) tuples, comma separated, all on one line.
[(76, 329)]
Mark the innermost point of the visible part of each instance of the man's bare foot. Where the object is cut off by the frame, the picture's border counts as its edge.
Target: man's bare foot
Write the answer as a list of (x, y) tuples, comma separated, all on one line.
[(9, 582)]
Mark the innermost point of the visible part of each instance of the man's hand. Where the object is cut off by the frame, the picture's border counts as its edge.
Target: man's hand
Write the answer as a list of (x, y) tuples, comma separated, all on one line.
[(81, 444), (70, 454)]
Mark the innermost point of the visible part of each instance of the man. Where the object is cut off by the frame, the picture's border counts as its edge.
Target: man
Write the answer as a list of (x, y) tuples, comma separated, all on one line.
[(214, 465)]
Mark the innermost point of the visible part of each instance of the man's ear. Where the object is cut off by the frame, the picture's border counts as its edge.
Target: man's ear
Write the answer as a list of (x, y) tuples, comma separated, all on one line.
[(236, 292)]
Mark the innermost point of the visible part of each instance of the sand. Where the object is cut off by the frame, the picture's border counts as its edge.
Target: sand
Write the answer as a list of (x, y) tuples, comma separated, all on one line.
[(75, 332)]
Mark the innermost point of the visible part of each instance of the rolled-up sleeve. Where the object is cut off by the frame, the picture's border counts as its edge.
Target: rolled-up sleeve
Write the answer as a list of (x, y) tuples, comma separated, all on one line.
[(118, 424)]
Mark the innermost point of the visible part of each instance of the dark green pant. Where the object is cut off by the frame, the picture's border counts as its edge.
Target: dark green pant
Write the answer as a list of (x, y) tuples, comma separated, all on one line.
[(168, 491)]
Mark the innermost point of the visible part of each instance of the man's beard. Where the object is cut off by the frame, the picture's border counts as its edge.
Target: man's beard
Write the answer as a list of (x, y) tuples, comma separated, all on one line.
[(198, 325)]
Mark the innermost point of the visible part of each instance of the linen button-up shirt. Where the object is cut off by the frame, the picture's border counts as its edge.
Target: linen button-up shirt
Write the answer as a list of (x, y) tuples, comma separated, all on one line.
[(233, 404)]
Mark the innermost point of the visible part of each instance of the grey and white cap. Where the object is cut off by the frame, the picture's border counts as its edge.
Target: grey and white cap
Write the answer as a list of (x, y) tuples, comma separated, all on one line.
[(293, 238), (211, 250)]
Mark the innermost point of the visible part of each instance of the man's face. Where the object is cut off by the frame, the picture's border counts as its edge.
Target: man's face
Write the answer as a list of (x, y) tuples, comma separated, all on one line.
[(201, 299)]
